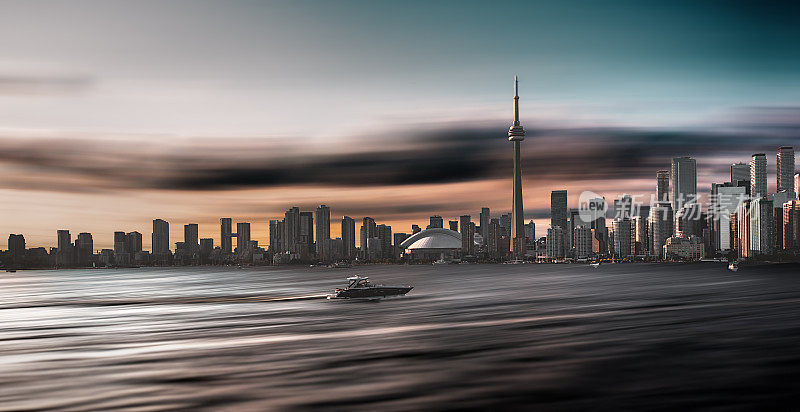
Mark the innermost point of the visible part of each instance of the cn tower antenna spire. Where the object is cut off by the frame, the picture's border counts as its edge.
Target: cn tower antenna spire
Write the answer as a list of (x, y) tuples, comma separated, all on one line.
[(516, 101)]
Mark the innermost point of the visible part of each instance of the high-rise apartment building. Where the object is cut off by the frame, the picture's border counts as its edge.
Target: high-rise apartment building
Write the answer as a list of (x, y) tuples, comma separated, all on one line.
[(243, 243), (485, 217), (740, 172), (323, 230), (348, 237), (684, 181), (160, 237), (758, 175), (662, 186), (191, 237), (436, 222), (467, 236), (226, 235), (785, 170)]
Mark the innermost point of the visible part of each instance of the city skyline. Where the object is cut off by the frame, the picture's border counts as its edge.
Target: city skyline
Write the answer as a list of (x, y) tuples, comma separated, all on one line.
[(93, 139)]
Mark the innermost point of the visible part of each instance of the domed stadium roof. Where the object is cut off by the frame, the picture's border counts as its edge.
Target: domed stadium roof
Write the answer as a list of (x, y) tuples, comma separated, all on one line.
[(436, 238)]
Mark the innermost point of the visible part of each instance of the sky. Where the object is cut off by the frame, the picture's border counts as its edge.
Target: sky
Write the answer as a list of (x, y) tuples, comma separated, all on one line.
[(114, 113)]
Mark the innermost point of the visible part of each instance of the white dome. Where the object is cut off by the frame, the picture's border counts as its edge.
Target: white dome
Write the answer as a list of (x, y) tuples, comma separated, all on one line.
[(436, 238)]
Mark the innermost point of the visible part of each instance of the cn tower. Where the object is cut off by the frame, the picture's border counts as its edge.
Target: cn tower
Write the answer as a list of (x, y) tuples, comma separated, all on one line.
[(516, 134)]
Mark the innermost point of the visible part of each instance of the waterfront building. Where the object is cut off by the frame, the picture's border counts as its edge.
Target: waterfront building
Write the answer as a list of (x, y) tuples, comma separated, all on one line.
[(555, 242), (785, 170), (348, 237), (684, 248), (758, 175), (226, 235), (684, 181), (662, 186), (740, 172)]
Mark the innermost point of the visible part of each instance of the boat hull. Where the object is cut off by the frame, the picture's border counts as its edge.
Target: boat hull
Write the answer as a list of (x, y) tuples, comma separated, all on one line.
[(377, 292)]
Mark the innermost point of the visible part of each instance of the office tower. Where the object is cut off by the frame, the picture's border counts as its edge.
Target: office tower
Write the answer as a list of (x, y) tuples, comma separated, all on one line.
[(306, 238), (436, 222), (583, 242), (758, 175), (623, 234), (791, 226), (724, 199), (415, 229), (368, 231), (785, 168), (624, 207), (16, 247), (505, 225), (740, 172), (384, 233), (558, 208), (64, 251), (453, 225), (493, 241), (243, 243), (778, 200), (191, 237), (641, 241), (398, 238), (323, 218), (555, 242), (530, 232), (485, 217), (226, 235), (660, 222), (160, 237), (797, 185), (467, 240), (348, 237), (291, 227), (684, 181), (688, 220), (516, 134), (662, 186), (119, 242), (276, 236), (133, 242), (206, 247), (761, 226)]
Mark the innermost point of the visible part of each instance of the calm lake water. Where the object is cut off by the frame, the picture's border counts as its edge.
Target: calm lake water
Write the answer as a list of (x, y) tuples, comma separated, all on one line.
[(543, 337)]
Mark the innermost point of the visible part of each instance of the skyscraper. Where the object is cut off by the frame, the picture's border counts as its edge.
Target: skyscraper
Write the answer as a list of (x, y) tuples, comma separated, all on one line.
[(191, 238), (662, 186), (740, 172), (758, 175), (226, 235), (661, 222), (243, 244), (291, 228), (558, 209), (64, 252), (133, 242), (684, 181), (119, 243), (485, 217), (369, 230), (306, 238), (348, 237), (467, 242), (436, 222), (160, 239), (453, 224), (785, 168), (323, 232), (276, 236), (516, 134)]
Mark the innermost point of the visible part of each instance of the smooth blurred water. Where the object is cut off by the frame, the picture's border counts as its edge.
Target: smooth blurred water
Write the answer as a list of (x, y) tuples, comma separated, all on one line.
[(635, 336)]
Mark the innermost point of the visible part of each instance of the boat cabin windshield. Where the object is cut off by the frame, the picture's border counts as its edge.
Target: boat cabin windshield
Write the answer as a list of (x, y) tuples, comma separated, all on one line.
[(359, 282)]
